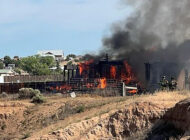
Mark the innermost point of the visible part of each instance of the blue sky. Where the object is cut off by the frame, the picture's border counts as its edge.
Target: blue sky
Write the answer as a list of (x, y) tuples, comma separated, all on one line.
[(75, 26)]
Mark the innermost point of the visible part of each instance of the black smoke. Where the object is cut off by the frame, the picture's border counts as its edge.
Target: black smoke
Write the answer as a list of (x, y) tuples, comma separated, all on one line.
[(157, 31)]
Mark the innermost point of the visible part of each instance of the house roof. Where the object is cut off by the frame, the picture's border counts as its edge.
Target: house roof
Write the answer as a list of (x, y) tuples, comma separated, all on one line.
[(6, 71), (53, 52)]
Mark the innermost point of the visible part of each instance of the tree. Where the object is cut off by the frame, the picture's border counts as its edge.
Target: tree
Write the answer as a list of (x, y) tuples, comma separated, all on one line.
[(70, 63), (1, 65), (58, 70), (7, 60), (70, 56), (67, 58), (35, 65), (17, 70), (76, 60), (48, 60), (16, 62)]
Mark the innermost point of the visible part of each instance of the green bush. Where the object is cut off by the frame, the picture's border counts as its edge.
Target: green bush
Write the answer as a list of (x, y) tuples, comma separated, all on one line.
[(80, 109), (27, 93), (38, 98), (3, 95)]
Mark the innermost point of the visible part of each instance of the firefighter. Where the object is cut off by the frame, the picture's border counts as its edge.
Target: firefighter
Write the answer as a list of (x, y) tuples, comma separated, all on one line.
[(164, 83), (173, 84)]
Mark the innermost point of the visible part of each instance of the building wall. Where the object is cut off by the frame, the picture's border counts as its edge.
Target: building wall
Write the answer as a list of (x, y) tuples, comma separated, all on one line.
[(1, 79), (157, 70)]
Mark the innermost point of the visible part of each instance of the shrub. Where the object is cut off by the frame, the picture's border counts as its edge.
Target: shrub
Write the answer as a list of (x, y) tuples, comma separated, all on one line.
[(27, 135), (38, 98), (80, 109), (3, 95), (28, 93)]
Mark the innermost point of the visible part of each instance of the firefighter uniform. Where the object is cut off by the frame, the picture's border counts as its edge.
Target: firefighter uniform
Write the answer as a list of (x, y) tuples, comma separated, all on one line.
[(164, 83), (173, 84)]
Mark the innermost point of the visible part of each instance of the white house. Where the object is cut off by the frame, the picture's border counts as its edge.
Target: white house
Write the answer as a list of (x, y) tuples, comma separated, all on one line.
[(6, 72), (56, 54)]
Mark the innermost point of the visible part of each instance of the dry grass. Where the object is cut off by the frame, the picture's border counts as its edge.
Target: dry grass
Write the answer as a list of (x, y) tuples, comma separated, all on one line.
[(98, 106), (92, 106), (170, 96)]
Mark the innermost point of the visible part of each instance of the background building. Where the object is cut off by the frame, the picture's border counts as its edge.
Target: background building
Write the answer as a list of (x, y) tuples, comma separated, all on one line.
[(56, 54)]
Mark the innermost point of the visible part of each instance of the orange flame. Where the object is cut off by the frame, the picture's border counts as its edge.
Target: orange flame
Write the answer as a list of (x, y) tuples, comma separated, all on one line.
[(102, 83), (84, 66), (127, 75), (132, 91), (63, 87), (113, 72), (81, 68)]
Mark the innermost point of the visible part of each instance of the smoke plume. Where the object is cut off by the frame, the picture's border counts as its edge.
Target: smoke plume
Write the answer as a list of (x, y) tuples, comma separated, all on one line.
[(157, 30)]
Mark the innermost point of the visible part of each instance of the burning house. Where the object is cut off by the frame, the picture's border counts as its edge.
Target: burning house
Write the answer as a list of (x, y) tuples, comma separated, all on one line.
[(153, 41), (101, 74)]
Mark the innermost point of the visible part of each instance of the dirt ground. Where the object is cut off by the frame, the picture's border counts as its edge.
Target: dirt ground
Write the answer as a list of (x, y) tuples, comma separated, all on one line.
[(21, 119)]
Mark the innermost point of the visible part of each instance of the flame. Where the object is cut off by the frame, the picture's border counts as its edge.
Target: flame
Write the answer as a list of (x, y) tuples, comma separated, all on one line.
[(102, 83), (132, 91), (89, 85), (63, 87), (122, 73), (51, 88), (113, 72), (81, 68), (84, 66), (127, 74), (57, 88)]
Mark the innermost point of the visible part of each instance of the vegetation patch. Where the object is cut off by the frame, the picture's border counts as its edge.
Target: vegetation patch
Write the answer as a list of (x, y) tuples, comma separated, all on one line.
[(3, 95), (80, 109), (27, 135), (38, 98), (27, 93)]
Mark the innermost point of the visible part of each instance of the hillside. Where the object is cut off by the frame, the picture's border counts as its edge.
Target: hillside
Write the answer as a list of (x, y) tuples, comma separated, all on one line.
[(92, 117)]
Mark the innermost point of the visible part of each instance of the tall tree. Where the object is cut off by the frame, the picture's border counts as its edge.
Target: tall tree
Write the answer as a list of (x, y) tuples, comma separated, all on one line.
[(48, 60), (7, 60), (34, 65), (58, 69)]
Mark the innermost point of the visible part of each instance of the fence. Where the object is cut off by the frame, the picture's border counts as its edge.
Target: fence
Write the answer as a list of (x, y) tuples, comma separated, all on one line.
[(79, 85), (32, 78)]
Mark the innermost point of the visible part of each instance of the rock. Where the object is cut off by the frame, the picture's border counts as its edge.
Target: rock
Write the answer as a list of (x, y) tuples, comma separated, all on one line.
[(180, 115)]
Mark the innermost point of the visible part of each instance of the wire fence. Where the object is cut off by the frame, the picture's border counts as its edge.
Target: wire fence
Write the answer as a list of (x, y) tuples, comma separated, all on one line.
[(79, 85)]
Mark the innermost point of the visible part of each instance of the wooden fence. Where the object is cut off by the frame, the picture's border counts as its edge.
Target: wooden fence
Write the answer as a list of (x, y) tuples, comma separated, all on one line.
[(32, 78)]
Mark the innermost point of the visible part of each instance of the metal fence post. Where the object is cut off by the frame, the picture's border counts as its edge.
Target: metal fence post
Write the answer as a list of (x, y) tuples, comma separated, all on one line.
[(124, 90)]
